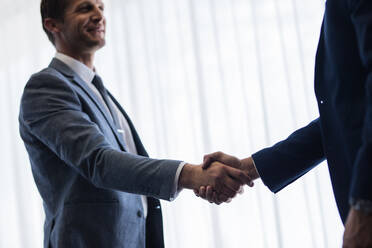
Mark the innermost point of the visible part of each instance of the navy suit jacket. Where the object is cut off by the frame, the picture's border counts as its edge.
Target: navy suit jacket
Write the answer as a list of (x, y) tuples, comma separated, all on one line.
[(343, 132), (89, 185)]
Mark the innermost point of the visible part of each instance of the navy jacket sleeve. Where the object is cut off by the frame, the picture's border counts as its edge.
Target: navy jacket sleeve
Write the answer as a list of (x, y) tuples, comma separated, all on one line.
[(361, 16), (287, 160), (52, 112)]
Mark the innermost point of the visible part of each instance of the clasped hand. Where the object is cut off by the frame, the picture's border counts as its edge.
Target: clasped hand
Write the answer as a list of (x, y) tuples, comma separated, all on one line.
[(237, 173)]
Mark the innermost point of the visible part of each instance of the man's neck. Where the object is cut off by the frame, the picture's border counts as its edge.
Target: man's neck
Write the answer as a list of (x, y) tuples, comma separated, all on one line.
[(85, 58)]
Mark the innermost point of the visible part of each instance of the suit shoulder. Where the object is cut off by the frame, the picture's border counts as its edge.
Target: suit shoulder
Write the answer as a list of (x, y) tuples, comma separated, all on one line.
[(47, 92), (47, 75), (48, 83), (50, 79)]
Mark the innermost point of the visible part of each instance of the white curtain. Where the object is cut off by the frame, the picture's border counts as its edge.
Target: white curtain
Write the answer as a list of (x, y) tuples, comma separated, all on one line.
[(196, 76)]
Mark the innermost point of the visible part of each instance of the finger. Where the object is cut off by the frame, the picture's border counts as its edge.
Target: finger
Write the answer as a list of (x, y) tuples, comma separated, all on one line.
[(210, 158), (241, 190), (215, 198), (227, 159), (209, 194), (239, 175), (196, 192), (207, 156), (251, 184), (228, 192), (232, 184), (202, 192), (214, 155), (207, 162), (223, 198)]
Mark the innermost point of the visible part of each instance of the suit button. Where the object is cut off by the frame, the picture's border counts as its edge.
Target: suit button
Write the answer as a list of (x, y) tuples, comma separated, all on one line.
[(139, 214)]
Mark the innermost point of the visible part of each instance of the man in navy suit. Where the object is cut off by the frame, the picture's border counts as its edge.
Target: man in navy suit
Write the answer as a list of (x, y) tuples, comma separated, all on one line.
[(99, 187), (343, 132)]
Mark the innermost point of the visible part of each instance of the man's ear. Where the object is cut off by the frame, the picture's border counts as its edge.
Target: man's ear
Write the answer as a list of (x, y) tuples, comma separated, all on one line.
[(52, 25)]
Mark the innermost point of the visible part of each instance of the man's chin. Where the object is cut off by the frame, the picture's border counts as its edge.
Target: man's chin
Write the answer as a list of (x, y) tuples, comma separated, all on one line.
[(96, 44)]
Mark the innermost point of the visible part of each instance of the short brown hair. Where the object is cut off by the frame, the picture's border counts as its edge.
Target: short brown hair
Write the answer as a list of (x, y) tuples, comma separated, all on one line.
[(52, 9)]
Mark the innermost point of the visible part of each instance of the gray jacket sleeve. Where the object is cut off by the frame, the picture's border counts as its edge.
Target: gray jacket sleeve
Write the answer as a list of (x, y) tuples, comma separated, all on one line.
[(53, 113)]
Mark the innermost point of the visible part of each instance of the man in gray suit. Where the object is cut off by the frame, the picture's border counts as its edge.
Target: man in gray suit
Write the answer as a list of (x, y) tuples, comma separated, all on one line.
[(99, 187)]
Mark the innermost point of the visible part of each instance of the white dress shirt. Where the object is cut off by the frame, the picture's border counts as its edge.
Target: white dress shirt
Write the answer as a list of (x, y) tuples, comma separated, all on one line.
[(87, 75)]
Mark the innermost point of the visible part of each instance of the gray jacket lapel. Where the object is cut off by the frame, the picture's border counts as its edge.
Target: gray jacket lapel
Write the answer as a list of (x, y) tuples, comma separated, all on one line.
[(73, 77), (139, 146)]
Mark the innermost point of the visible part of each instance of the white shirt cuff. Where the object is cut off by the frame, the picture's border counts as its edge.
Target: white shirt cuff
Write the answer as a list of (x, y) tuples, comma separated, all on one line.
[(254, 164), (176, 190)]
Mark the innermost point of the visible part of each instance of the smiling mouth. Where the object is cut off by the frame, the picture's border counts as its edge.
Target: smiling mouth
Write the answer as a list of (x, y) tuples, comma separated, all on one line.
[(95, 30)]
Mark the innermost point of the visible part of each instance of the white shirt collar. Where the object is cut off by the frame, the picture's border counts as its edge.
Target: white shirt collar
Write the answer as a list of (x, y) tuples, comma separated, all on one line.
[(83, 71)]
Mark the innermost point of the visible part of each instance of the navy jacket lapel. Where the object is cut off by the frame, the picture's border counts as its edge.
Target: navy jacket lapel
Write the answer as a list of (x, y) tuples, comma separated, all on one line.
[(73, 77)]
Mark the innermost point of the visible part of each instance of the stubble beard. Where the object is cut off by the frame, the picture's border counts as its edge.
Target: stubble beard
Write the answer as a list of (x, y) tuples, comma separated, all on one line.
[(92, 44)]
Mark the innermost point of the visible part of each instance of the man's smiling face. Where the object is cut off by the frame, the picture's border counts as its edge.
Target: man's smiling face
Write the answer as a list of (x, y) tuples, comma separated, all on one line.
[(83, 26)]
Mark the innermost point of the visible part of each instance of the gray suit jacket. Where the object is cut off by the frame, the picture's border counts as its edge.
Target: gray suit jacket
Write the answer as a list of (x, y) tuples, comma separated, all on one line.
[(88, 183)]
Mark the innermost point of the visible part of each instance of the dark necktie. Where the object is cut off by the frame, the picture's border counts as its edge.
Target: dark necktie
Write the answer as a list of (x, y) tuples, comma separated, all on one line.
[(97, 82)]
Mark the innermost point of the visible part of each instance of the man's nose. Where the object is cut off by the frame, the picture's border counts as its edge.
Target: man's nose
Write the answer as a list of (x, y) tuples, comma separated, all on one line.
[(98, 15)]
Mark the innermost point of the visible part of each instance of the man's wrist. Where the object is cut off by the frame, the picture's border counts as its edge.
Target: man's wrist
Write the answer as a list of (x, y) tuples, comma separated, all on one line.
[(249, 166), (187, 175), (176, 189)]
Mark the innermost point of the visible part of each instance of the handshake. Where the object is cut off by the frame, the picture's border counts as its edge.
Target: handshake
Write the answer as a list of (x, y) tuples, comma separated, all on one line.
[(219, 178)]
